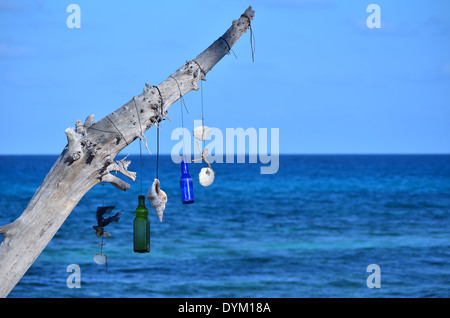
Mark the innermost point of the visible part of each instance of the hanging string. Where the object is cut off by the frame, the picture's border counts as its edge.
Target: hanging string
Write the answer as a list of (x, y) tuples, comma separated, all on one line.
[(203, 118), (182, 127), (110, 132), (204, 73), (140, 162), (181, 95), (183, 103), (103, 204), (157, 152), (201, 94), (252, 42), (140, 144), (118, 130), (229, 47), (157, 133), (142, 135), (101, 130), (252, 36)]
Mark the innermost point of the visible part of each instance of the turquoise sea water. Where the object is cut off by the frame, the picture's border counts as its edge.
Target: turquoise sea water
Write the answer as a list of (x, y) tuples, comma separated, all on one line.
[(310, 230)]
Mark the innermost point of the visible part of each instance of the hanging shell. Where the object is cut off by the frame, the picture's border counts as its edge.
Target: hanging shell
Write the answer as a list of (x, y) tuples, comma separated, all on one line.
[(100, 259), (157, 198), (201, 132), (206, 176)]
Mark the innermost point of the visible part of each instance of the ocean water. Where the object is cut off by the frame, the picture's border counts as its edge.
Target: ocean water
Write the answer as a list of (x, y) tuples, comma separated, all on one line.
[(310, 230)]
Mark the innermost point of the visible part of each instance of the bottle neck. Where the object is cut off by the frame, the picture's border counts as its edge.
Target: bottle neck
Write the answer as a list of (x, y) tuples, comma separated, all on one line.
[(141, 200), (184, 167)]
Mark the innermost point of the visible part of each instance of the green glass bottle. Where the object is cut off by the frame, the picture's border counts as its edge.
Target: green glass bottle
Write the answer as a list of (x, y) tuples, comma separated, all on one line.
[(141, 228)]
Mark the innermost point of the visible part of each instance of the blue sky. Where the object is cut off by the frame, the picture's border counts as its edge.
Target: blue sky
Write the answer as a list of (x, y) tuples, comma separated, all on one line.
[(327, 81)]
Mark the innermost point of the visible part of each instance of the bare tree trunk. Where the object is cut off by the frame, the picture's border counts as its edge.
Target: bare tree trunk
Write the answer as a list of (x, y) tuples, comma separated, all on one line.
[(89, 156)]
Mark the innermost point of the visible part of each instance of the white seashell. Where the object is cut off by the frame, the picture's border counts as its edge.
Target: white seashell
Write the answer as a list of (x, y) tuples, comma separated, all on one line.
[(157, 198), (201, 134), (100, 259), (206, 176)]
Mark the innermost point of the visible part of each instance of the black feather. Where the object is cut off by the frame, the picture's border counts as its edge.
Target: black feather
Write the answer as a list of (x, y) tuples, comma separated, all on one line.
[(114, 218), (101, 210)]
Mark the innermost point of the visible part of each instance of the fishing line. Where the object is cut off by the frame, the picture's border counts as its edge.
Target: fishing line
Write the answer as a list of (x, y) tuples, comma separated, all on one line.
[(182, 127), (204, 73), (181, 95), (203, 118), (229, 47), (140, 159), (157, 133), (110, 132), (103, 204), (183, 103), (140, 143), (252, 36), (117, 130), (157, 152), (201, 94)]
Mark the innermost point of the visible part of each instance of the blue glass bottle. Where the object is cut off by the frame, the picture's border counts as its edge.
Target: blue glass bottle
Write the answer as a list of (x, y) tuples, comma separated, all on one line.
[(186, 185)]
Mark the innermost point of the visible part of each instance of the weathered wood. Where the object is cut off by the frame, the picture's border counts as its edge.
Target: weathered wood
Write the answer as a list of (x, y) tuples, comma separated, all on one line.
[(88, 157)]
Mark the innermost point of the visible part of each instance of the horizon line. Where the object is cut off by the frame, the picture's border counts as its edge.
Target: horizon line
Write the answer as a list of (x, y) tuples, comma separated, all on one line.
[(246, 154)]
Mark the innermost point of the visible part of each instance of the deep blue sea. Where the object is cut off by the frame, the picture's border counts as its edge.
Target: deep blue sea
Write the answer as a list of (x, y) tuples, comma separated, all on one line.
[(310, 230)]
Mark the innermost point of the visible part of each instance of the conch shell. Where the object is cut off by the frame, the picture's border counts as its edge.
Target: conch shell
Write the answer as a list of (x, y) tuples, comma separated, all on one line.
[(206, 176), (157, 198), (201, 132)]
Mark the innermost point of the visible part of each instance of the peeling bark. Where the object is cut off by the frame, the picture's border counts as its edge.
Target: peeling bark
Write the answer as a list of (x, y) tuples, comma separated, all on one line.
[(87, 160)]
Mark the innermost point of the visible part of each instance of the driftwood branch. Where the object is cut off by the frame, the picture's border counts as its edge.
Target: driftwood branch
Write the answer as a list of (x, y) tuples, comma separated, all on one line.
[(116, 182), (4, 228), (73, 144), (122, 167), (87, 159)]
